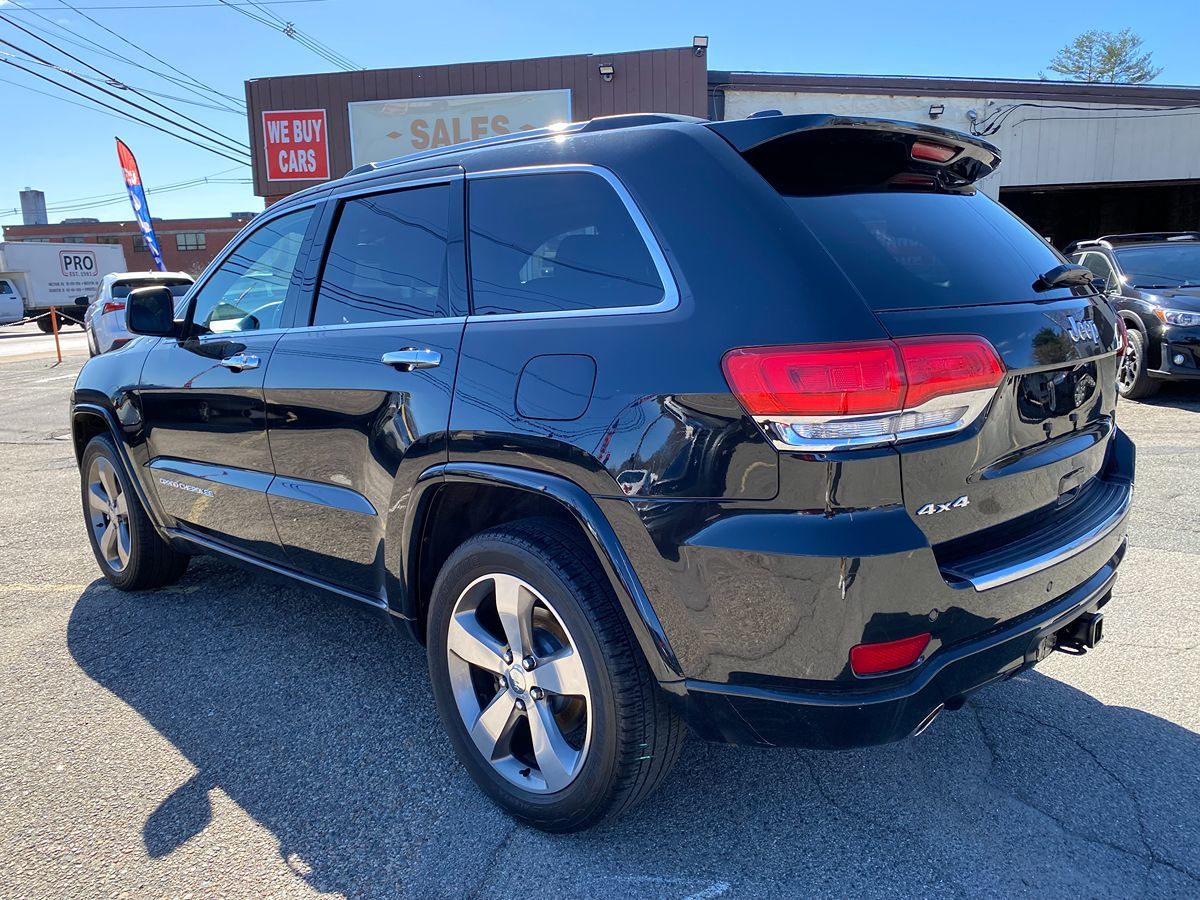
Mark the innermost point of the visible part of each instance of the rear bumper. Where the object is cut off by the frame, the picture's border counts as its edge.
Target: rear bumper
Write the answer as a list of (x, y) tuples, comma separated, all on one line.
[(860, 717)]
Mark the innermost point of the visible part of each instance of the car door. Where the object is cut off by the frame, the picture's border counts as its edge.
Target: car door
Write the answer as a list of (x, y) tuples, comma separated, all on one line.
[(11, 308), (202, 395), (358, 395)]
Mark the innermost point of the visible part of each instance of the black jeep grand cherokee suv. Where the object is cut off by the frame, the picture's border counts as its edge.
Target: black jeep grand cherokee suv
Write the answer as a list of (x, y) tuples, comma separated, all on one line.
[(774, 427)]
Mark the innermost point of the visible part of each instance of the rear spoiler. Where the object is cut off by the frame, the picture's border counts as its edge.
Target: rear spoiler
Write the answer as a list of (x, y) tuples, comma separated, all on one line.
[(974, 159)]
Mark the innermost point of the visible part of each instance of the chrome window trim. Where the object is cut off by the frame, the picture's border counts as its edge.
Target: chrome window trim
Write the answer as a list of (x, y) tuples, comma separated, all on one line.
[(670, 287), (388, 323)]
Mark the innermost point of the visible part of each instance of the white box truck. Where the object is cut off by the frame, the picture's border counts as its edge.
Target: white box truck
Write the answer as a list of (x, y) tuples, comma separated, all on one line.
[(35, 276)]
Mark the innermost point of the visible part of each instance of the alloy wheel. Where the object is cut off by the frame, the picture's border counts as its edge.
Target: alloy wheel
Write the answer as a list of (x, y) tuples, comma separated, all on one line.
[(519, 683), (108, 514), (1127, 371)]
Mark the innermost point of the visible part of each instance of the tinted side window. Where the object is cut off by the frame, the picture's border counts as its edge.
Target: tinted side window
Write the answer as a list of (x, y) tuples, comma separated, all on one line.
[(556, 241), (387, 259), (1100, 266), (247, 290)]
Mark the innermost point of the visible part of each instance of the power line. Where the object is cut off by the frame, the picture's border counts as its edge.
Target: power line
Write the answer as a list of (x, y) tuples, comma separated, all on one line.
[(178, 5), (123, 197), (122, 112), (157, 59), (238, 106), (289, 29), (235, 146), (112, 82)]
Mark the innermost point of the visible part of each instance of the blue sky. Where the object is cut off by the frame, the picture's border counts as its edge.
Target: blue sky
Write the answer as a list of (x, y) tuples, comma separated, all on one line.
[(68, 151)]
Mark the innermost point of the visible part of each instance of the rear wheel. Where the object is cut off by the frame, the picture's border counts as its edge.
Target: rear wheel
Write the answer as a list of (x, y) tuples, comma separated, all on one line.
[(539, 681), (129, 551), (1133, 381), (44, 324)]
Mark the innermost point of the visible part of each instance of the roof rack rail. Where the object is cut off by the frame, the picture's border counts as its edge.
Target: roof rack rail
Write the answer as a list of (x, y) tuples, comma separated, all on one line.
[(600, 123), (1145, 236)]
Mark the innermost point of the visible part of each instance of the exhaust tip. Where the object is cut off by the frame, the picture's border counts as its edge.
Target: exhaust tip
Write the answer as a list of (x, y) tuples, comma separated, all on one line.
[(928, 720)]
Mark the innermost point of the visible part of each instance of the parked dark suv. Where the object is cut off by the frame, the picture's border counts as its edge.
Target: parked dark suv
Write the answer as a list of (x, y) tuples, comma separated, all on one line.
[(775, 427), (1154, 279)]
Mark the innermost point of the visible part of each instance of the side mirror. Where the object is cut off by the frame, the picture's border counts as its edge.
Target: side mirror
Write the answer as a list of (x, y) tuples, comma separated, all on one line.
[(151, 310)]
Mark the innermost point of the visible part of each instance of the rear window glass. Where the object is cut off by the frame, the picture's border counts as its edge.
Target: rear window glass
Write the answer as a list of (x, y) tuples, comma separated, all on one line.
[(1169, 265), (906, 250), (121, 289), (554, 243)]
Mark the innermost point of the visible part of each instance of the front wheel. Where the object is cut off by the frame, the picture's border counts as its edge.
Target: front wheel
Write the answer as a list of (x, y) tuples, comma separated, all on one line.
[(1133, 381), (540, 683), (129, 551)]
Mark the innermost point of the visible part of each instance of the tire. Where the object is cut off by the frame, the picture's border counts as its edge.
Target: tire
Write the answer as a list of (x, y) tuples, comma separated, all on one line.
[(619, 738), (44, 325), (132, 557), (1133, 381)]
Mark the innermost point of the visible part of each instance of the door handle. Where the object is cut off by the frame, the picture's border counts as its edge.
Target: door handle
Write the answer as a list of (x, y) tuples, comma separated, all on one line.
[(240, 361), (411, 358)]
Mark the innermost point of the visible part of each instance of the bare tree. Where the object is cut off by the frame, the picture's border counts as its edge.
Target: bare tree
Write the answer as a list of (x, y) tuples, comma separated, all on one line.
[(1107, 56)]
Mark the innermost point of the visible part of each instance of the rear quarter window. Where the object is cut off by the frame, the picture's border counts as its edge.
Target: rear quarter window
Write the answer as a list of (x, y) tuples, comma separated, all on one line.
[(905, 250), (556, 242)]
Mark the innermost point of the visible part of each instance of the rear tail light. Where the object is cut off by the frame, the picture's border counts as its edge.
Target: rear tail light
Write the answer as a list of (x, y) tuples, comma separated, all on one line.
[(930, 152), (875, 659), (837, 396), (112, 306)]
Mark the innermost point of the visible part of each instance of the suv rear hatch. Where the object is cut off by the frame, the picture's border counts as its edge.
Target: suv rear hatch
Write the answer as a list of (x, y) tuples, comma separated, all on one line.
[(893, 205)]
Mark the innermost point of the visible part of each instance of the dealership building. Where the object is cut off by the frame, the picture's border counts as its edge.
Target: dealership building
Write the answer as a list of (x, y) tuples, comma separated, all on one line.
[(1079, 160)]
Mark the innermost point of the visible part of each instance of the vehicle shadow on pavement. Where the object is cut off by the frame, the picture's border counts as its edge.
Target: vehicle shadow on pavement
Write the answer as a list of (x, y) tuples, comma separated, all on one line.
[(318, 722), (1174, 395)]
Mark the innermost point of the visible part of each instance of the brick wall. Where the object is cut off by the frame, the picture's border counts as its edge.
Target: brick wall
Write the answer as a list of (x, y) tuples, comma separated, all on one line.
[(216, 234)]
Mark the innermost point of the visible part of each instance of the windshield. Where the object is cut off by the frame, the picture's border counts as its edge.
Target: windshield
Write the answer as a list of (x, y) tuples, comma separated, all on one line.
[(1163, 265), (904, 250), (121, 289)]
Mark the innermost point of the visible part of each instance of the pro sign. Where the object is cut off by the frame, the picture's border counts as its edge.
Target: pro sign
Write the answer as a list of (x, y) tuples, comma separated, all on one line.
[(296, 144)]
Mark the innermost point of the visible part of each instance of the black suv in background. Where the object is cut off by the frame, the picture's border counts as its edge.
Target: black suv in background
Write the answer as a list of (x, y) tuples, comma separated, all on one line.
[(775, 427), (1154, 281)]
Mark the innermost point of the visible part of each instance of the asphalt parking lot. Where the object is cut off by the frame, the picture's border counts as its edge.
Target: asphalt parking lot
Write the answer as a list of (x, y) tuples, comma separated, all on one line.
[(236, 737)]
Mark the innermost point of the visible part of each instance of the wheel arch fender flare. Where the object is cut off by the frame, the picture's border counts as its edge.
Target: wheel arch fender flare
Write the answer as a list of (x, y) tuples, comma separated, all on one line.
[(583, 508), (99, 413)]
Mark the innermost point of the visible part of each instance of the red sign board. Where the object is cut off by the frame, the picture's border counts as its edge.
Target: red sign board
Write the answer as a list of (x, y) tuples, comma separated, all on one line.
[(296, 143)]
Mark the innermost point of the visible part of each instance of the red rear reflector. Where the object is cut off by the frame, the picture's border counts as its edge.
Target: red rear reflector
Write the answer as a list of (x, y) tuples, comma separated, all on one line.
[(112, 306), (871, 659), (938, 366), (939, 153), (859, 378)]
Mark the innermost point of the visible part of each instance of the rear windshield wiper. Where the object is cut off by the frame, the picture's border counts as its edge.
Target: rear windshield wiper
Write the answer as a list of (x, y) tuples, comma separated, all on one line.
[(1065, 275)]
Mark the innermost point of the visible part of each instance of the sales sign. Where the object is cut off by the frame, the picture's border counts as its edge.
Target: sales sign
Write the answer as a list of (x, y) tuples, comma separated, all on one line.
[(296, 144), (383, 129)]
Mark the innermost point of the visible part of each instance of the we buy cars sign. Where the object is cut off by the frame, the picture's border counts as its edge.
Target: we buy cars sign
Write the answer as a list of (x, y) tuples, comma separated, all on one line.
[(296, 143)]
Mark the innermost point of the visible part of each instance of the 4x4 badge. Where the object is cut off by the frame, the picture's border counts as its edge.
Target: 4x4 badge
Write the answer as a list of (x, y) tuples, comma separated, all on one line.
[(932, 509)]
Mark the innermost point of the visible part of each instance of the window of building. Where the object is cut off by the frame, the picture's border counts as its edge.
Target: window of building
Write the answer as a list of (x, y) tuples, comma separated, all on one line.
[(387, 259), (248, 289), (191, 240), (555, 242), (73, 239), (107, 239), (139, 243)]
